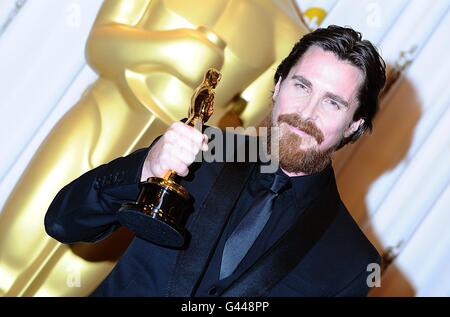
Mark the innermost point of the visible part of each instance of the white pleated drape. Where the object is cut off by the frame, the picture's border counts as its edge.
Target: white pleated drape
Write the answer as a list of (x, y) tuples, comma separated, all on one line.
[(42, 74), (395, 182)]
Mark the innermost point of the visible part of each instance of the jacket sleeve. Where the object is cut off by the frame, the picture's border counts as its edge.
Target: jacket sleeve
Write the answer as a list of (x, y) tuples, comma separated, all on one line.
[(85, 210)]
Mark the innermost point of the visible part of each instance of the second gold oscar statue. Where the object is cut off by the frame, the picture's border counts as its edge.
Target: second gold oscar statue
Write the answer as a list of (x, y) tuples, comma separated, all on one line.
[(160, 210)]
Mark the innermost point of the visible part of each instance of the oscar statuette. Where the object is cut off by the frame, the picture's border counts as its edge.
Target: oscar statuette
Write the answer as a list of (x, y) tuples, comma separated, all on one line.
[(158, 214)]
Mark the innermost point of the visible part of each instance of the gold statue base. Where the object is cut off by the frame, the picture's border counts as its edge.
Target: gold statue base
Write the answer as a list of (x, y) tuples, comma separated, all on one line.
[(159, 212)]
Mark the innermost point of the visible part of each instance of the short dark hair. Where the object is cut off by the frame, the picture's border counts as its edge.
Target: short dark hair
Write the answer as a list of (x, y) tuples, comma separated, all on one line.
[(347, 45)]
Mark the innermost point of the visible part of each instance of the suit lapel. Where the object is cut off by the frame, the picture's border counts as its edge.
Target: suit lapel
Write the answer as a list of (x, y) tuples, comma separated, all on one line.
[(206, 227), (284, 255)]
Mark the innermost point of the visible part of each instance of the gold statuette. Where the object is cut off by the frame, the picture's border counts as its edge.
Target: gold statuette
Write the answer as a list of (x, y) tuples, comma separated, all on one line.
[(160, 210)]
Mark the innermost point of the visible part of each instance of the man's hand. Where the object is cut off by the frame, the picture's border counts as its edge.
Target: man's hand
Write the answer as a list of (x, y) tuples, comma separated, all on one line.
[(175, 150)]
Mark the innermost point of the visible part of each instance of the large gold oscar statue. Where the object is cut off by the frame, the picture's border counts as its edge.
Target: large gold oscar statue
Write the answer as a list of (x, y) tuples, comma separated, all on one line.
[(149, 55)]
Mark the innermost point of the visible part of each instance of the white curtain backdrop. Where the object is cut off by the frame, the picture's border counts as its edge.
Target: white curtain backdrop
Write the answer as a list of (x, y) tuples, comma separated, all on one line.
[(396, 182), (42, 74)]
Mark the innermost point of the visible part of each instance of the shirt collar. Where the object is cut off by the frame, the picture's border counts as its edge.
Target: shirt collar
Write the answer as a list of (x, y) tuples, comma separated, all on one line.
[(308, 188), (305, 188)]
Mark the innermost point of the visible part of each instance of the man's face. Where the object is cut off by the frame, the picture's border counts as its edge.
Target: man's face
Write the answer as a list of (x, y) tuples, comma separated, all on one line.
[(314, 107)]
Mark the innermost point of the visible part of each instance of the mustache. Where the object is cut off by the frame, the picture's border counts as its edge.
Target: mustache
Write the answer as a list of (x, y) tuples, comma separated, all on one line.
[(308, 127)]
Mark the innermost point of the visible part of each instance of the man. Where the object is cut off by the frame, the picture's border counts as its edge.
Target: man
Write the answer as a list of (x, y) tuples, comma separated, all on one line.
[(252, 234)]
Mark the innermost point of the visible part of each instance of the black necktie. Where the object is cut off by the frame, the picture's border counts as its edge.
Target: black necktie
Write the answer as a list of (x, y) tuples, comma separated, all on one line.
[(246, 232)]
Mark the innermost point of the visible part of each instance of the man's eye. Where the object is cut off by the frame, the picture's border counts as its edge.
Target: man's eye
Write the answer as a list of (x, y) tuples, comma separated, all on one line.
[(301, 86), (334, 104)]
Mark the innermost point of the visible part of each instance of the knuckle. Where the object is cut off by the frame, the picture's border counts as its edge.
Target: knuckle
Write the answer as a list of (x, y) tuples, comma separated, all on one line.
[(189, 158), (191, 147), (184, 156), (178, 126), (184, 170), (198, 136), (169, 135), (167, 148), (164, 157), (174, 125), (180, 168)]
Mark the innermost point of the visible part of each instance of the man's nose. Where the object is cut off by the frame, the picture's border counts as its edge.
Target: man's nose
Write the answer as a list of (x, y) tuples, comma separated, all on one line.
[(309, 110)]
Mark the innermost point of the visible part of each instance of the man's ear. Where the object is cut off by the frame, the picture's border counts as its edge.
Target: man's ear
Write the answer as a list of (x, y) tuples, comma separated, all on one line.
[(354, 126), (276, 89)]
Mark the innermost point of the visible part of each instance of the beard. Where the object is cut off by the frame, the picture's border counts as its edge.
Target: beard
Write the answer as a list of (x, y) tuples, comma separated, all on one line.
[(291, 157)]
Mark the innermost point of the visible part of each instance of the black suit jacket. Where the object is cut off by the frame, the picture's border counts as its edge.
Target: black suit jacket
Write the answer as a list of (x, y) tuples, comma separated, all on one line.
[(323, 254)]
